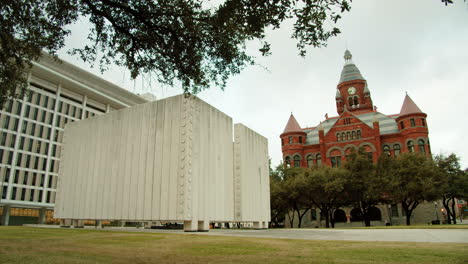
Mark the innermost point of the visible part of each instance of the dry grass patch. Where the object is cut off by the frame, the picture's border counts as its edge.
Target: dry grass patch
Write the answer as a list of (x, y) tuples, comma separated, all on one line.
[(38, 245)]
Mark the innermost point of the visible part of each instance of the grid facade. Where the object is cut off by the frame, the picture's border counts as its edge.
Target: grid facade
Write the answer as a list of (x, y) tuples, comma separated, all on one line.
[(31, 131)]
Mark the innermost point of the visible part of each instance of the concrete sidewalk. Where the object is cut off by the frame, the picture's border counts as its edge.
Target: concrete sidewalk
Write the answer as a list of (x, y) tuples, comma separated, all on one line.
[(400, 235)]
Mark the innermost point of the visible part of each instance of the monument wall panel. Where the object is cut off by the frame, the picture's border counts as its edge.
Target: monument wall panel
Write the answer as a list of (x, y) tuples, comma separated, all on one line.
[(168, 160)]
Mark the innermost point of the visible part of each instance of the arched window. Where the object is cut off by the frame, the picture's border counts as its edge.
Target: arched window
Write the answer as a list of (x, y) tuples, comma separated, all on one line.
[(297, 161), (310, 161), (287, 161), (356, 215), (421, 147), (318, 160), (356, 100), (338, 137), (358, 134), (386, 150), (396, 150), (369, 155), (354, 135), (348, 135), (343, 136), (374, 214), (350, 101), (335, 161), (339, 216), (410, 146)]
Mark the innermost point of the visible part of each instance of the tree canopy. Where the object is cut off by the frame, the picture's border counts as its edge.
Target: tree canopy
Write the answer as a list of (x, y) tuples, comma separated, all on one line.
[(196, 43)]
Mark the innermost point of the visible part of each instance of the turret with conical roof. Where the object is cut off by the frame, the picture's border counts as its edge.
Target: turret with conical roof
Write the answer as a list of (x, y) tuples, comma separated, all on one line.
[(412, 124), (293, 140), (353, 89)]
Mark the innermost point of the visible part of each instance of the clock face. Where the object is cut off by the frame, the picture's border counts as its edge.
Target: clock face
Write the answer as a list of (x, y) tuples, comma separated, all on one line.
[(351, 90)]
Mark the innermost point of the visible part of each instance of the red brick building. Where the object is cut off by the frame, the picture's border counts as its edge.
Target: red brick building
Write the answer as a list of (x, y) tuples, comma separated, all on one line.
[(358, 125)]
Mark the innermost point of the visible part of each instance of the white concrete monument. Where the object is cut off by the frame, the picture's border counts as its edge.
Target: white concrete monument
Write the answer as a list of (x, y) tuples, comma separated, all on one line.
[(167, 160)]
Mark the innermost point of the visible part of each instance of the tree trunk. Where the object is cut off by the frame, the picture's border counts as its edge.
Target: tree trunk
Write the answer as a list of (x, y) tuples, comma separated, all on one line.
[(291, 219), (327, 218), (301, 216), (332, 219), (454, 216), (445, 202)]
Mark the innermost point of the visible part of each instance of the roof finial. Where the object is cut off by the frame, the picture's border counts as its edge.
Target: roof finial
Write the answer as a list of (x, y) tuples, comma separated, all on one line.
[(347, 56)]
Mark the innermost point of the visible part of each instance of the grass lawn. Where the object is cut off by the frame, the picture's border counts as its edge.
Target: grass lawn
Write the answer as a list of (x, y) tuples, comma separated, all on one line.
[(411, 227), (41, 245)]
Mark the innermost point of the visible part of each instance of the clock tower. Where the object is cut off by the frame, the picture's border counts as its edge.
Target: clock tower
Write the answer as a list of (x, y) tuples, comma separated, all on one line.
[(352, 93)]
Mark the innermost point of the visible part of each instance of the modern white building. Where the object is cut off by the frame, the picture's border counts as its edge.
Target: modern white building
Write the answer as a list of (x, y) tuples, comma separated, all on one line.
[(31, 131), (176, 159)]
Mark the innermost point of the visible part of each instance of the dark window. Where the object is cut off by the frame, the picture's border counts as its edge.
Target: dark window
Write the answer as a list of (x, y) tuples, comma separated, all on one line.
[(313, 214), (4, 192), (423, 121), (402, 125), (7, 175), (13, 193), (12, 142), (3, 140), (23, 194), (348, 135), (338, 137), (28, 161), (6, 122), (300, 139), (353, 135), (421, 146), (10, 158), (369, 155), (18, 159), (16, 177), (297, 161), (319, 160), (39, 199), (21, 143), (356, 100), (287, 161), (26, 111), (290, 140), (310, 161), (49, 184), (18, 108), (25, 178), (410, 146), (413, 123), (31, 195), (386, 150), (336, 161), (350, 101), (282, 142), (358, 134), (24, 127), (343, 136), (394, 210), (1, 155)]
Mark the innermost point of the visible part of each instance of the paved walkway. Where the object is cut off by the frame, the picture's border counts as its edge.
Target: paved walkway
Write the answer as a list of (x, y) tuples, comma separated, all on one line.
[(401, 235)]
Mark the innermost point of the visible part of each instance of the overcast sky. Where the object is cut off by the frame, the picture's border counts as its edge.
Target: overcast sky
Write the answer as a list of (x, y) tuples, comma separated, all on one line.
[(417, 46)]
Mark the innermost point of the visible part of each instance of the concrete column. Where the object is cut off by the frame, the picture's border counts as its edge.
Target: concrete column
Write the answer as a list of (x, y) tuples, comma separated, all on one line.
[(203, 226), (257, 225), (6, 215), (191, 226), (42, 215), (65, 222), (78, 223)]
